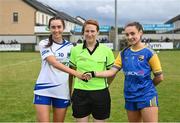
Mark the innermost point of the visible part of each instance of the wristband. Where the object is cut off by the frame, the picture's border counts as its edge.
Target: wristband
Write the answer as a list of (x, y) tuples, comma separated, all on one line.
[(84, 80), (92, 73)]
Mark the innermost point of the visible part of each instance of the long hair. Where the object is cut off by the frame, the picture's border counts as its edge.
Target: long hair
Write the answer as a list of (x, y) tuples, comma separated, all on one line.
[(49, 26)]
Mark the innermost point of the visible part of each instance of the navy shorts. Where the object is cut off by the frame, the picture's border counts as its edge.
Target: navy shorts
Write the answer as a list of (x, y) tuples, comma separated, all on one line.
[(97, 103), (134, 106), (55, 102)]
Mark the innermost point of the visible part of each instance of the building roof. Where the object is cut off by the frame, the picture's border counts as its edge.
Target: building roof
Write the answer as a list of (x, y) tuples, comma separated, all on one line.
[(38, 6), (81, 19), (173, 19), (65, 16), (48, 10)]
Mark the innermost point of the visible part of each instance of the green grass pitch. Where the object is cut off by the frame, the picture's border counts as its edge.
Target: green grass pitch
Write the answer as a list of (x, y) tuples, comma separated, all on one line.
[(19, 71)]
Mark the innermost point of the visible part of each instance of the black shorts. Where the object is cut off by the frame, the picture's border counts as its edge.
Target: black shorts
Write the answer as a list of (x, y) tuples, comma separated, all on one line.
[(97, 103)]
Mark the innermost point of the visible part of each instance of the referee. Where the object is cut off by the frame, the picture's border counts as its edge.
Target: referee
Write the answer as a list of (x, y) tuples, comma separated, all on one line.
[(92, 96)]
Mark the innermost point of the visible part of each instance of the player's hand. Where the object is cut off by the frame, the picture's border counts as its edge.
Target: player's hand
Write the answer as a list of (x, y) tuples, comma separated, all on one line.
[(82, 76), (88, 75)]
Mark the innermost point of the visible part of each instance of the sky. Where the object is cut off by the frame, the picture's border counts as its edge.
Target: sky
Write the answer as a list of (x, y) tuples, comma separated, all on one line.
[(143, 11)]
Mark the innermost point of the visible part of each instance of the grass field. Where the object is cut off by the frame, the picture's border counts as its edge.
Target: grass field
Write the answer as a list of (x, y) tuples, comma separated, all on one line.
[(19, 71)]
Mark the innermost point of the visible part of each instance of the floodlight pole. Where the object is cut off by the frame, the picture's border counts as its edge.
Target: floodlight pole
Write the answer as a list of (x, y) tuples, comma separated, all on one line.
[(116, 43)]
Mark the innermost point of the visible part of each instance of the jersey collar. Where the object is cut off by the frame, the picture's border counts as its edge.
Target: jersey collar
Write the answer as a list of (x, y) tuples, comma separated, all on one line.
[(90, 52), (59, 43)]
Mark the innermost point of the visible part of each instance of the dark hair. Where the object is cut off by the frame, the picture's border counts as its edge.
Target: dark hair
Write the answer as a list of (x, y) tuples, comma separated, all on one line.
[(136, 24), (50, 37), (93, 22), (56, 18)]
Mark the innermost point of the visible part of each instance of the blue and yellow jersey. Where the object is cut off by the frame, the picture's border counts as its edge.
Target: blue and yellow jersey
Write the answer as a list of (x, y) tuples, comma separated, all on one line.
[(137, 67)]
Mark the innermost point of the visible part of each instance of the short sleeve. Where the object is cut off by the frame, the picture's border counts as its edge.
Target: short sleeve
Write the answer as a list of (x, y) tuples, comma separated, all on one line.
[(155, 64), (44, 51), (118, 62)]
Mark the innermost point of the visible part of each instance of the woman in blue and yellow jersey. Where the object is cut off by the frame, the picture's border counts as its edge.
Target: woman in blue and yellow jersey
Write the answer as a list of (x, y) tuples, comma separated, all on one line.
[(91, 97), (137, 62)]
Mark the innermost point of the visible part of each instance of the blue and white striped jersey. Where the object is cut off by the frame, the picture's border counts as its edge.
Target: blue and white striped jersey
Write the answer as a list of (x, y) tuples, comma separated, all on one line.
[(51, 81)]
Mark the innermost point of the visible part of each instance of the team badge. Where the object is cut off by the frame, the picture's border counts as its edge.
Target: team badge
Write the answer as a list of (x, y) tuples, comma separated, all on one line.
[(141, 58)]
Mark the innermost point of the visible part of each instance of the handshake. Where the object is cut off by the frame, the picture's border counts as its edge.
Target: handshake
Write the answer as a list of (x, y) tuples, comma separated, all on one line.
[(88, 75)]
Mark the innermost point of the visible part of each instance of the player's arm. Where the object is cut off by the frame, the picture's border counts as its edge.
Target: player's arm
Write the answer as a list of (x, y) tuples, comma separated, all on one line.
[(52, 60), (110, 79), (156, 69), (46, 54), (158, 77), (103, 74), (114, 69), (71, 79), (108, 73)]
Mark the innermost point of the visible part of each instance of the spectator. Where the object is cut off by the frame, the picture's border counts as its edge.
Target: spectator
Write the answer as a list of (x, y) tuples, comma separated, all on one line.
[(2, 42)]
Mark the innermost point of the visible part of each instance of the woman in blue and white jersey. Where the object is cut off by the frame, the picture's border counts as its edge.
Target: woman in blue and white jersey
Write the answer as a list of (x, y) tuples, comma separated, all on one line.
[(52, 86)]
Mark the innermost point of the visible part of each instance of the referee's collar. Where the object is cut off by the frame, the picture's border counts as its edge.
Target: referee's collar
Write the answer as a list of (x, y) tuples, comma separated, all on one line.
[(84, 44)]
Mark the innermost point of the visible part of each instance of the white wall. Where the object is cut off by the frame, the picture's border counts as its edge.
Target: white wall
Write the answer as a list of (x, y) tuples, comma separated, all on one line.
[(40, 16), (69, 26), (177, 24)]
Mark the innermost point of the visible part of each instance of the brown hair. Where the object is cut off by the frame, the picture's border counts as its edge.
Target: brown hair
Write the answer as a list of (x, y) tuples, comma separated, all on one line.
[(93, 22), (136, 24), (56, 18), (50, 37)]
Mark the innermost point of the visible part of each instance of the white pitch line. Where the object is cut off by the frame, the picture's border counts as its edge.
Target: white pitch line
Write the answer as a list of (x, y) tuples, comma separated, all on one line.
[(19, 63)]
